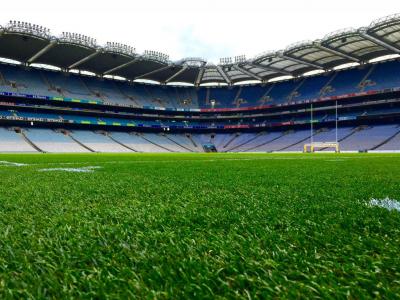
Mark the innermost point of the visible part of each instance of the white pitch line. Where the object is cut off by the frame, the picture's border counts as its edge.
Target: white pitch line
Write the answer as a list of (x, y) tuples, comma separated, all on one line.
[(4, 163), (89, 169), (335, 159), (389, 204)]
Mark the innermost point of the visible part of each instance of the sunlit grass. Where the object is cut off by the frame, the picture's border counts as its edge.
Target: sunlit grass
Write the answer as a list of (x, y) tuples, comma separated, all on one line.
[(199, 226)]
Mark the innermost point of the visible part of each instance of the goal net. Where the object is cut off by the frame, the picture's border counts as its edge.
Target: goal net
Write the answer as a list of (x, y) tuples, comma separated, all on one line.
[(312, 147)]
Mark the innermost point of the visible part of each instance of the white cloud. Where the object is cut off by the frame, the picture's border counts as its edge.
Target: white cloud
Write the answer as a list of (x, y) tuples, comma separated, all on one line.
[(211, 29)]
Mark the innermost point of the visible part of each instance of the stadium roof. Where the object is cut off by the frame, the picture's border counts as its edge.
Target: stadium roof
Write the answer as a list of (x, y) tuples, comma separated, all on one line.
[(33, 44)]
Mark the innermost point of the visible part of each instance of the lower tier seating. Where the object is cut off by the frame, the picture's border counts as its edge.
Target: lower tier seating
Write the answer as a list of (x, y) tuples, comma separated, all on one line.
[(360, 138)]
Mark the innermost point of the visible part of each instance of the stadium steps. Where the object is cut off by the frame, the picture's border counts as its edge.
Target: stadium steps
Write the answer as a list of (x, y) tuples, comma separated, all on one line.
[(91, 93), (266, 94), (361, 86), (50, 87), (293, 94), (155, 144), (30, 142), (236, 135), (352, 132), (118, 142), (296, 143), (323, 89), (265, 143), (345, 137), (178, 144), (237, 95), (79, 143), (178, 96), (248, 141), (197, 143), (189, 136), (305, 139), (58, 89), (208, 97), (151, 96), (385, 141), (191, 142), (61, 92), (3, 81), (130, 98)]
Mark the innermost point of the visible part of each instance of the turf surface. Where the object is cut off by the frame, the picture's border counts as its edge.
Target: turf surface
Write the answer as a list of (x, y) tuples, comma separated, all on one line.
[(199, 226)]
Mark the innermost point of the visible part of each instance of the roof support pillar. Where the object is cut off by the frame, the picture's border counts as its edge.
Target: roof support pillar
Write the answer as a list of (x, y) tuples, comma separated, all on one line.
[(74, 65), (176, 74), (153, 72), (224, 75), (41, 52), (120, 66), (300, 61), (337, 52), (269, 68), (248, 73), (371, 38), (200, 76)]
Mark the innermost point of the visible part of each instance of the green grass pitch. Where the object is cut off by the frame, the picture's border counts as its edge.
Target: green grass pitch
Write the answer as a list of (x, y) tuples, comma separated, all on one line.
[(199, 226)]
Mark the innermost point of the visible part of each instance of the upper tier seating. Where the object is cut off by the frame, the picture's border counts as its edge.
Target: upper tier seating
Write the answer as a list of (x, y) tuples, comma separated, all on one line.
[(280, 92), (33, 81), (383, 76), (69, 85), (251, 95), (27, 81), (105, 90), (311, 87), (346, 82)]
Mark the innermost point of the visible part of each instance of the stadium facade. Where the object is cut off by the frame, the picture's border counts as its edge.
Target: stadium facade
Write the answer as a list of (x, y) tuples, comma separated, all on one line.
[(95, 101)]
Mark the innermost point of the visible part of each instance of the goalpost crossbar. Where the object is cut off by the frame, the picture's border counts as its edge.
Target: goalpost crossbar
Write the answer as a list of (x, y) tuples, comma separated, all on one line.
[(311, 147)]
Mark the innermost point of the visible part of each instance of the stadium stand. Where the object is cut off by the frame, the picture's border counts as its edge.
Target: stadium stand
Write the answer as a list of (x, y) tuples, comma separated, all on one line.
[(288, 142), (391, 144), (12, 141), (383, 76), (379, 138), (137, 142), (185, 142), (140, 104), (98, 142), (18, 79), (164, 142), (50, 83), (366, 138), (260, 141), (51, 141)]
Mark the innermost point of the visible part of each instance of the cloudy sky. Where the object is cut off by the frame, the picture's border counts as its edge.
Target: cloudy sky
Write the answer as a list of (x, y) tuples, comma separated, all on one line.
[(207, 28)]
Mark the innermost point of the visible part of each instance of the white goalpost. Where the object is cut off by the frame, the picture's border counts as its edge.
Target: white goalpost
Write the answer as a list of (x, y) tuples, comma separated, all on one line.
[(313, 146)]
